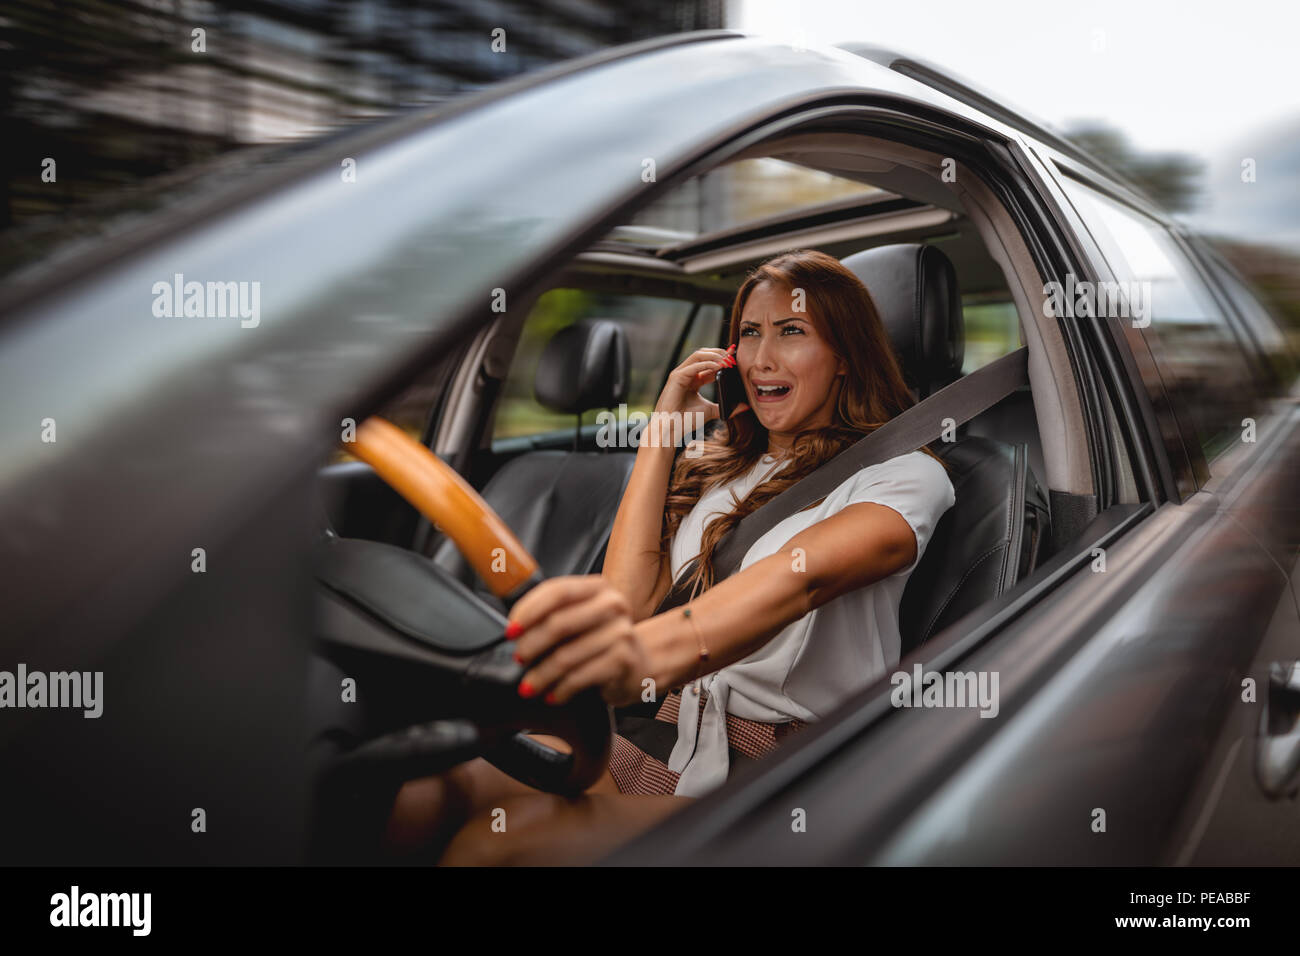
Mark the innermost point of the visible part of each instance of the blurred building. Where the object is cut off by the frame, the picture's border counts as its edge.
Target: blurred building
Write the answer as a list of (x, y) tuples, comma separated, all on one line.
[(119, 93)]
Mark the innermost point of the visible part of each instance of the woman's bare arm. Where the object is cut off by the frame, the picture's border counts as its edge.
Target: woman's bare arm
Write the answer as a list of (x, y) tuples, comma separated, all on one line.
[(635, 562), (851, 549)]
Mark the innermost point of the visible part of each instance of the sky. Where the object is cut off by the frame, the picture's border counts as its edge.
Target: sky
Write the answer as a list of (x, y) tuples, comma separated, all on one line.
[(1218, 80)]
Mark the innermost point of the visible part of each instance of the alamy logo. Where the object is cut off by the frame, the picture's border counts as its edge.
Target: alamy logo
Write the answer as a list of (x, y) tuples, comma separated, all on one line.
[(74, 689), (923, 688), (657, 430), (208, 300), (103, 909), (1098, 300)]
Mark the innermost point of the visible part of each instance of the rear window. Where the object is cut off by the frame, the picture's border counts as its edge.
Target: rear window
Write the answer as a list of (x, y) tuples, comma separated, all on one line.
[(1268, 336), (992, 330), (1202, 362), (655, 327)]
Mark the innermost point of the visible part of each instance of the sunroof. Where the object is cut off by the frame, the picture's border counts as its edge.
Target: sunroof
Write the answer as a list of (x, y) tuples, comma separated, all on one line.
[(747, 191)]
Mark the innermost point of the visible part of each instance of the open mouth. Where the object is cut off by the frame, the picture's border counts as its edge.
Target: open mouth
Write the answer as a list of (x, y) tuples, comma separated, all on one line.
[(771, 393)]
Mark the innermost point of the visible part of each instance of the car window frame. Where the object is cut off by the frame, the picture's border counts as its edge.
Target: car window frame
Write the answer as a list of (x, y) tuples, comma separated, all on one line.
[(1120, 359)]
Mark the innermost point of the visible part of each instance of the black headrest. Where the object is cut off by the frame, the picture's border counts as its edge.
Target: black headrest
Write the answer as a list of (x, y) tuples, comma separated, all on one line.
[(585, 365), (915, 288)]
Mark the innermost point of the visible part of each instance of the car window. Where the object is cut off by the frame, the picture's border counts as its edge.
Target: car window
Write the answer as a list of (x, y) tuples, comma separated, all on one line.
[(749, 190), (992, 330), (654, 326), (1268, 336), (1202, 363)]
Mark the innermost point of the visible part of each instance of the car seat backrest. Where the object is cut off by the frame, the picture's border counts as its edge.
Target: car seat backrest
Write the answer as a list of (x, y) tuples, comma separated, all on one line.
[(914, 288), (989, 538), (584, 365)]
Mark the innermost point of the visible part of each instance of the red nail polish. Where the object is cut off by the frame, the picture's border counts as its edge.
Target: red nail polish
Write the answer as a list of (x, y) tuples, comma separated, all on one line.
[(513, 630), (518, 659), (526, 689)]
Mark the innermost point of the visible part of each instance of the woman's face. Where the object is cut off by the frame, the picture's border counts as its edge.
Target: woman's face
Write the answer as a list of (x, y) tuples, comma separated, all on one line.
[(792, 376)]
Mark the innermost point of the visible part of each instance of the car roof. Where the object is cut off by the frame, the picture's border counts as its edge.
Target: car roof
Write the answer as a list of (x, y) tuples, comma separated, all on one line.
[(965, 91)]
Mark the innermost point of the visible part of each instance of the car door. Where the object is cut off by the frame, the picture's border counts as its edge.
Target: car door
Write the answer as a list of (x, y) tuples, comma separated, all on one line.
[(1114, 683), (1243, 810), (1231, 608)]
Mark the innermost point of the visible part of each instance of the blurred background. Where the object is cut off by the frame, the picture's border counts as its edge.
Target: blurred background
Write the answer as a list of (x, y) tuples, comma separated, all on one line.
[(1195, 102), (134, 104)]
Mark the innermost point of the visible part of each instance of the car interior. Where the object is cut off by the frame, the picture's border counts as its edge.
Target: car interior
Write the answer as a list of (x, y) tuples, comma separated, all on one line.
[(517, 410)]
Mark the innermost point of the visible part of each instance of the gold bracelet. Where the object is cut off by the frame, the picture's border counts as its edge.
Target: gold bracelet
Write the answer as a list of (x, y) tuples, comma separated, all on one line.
[(704, 651)]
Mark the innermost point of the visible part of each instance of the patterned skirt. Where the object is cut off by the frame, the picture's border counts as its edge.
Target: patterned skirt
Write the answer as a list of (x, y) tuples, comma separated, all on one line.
[(643, 744)]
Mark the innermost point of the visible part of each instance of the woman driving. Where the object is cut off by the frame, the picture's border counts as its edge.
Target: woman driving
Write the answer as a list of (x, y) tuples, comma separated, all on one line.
[(810, 617)]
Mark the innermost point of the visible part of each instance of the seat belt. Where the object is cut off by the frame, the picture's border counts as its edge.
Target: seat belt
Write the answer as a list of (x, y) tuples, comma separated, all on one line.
[(919, 425)]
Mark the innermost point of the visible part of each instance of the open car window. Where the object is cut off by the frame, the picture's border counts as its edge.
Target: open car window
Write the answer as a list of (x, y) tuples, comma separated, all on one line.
[(654, 327)]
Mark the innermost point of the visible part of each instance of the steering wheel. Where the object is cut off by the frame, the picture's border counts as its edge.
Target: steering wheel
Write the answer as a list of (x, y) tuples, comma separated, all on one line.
[(428, 655)]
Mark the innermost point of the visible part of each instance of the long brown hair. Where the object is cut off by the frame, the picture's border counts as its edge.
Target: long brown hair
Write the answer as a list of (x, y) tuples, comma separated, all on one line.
[(873, 391)]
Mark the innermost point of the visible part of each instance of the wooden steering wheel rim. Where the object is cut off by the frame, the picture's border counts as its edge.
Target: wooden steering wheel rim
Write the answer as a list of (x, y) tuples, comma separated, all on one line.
[(447, 500)]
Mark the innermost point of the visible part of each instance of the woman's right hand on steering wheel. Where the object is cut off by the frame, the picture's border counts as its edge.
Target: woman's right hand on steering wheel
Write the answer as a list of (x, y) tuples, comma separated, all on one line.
[(682, 392)]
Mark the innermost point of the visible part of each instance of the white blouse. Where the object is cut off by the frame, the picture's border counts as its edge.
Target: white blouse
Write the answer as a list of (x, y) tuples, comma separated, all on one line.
[(817, 662)]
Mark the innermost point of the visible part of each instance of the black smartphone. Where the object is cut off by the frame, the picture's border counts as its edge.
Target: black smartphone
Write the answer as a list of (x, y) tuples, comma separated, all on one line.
[(731, 391)]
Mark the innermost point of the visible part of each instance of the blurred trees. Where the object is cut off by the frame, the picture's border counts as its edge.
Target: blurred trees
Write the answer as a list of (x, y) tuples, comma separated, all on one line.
[(1171, 180)]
